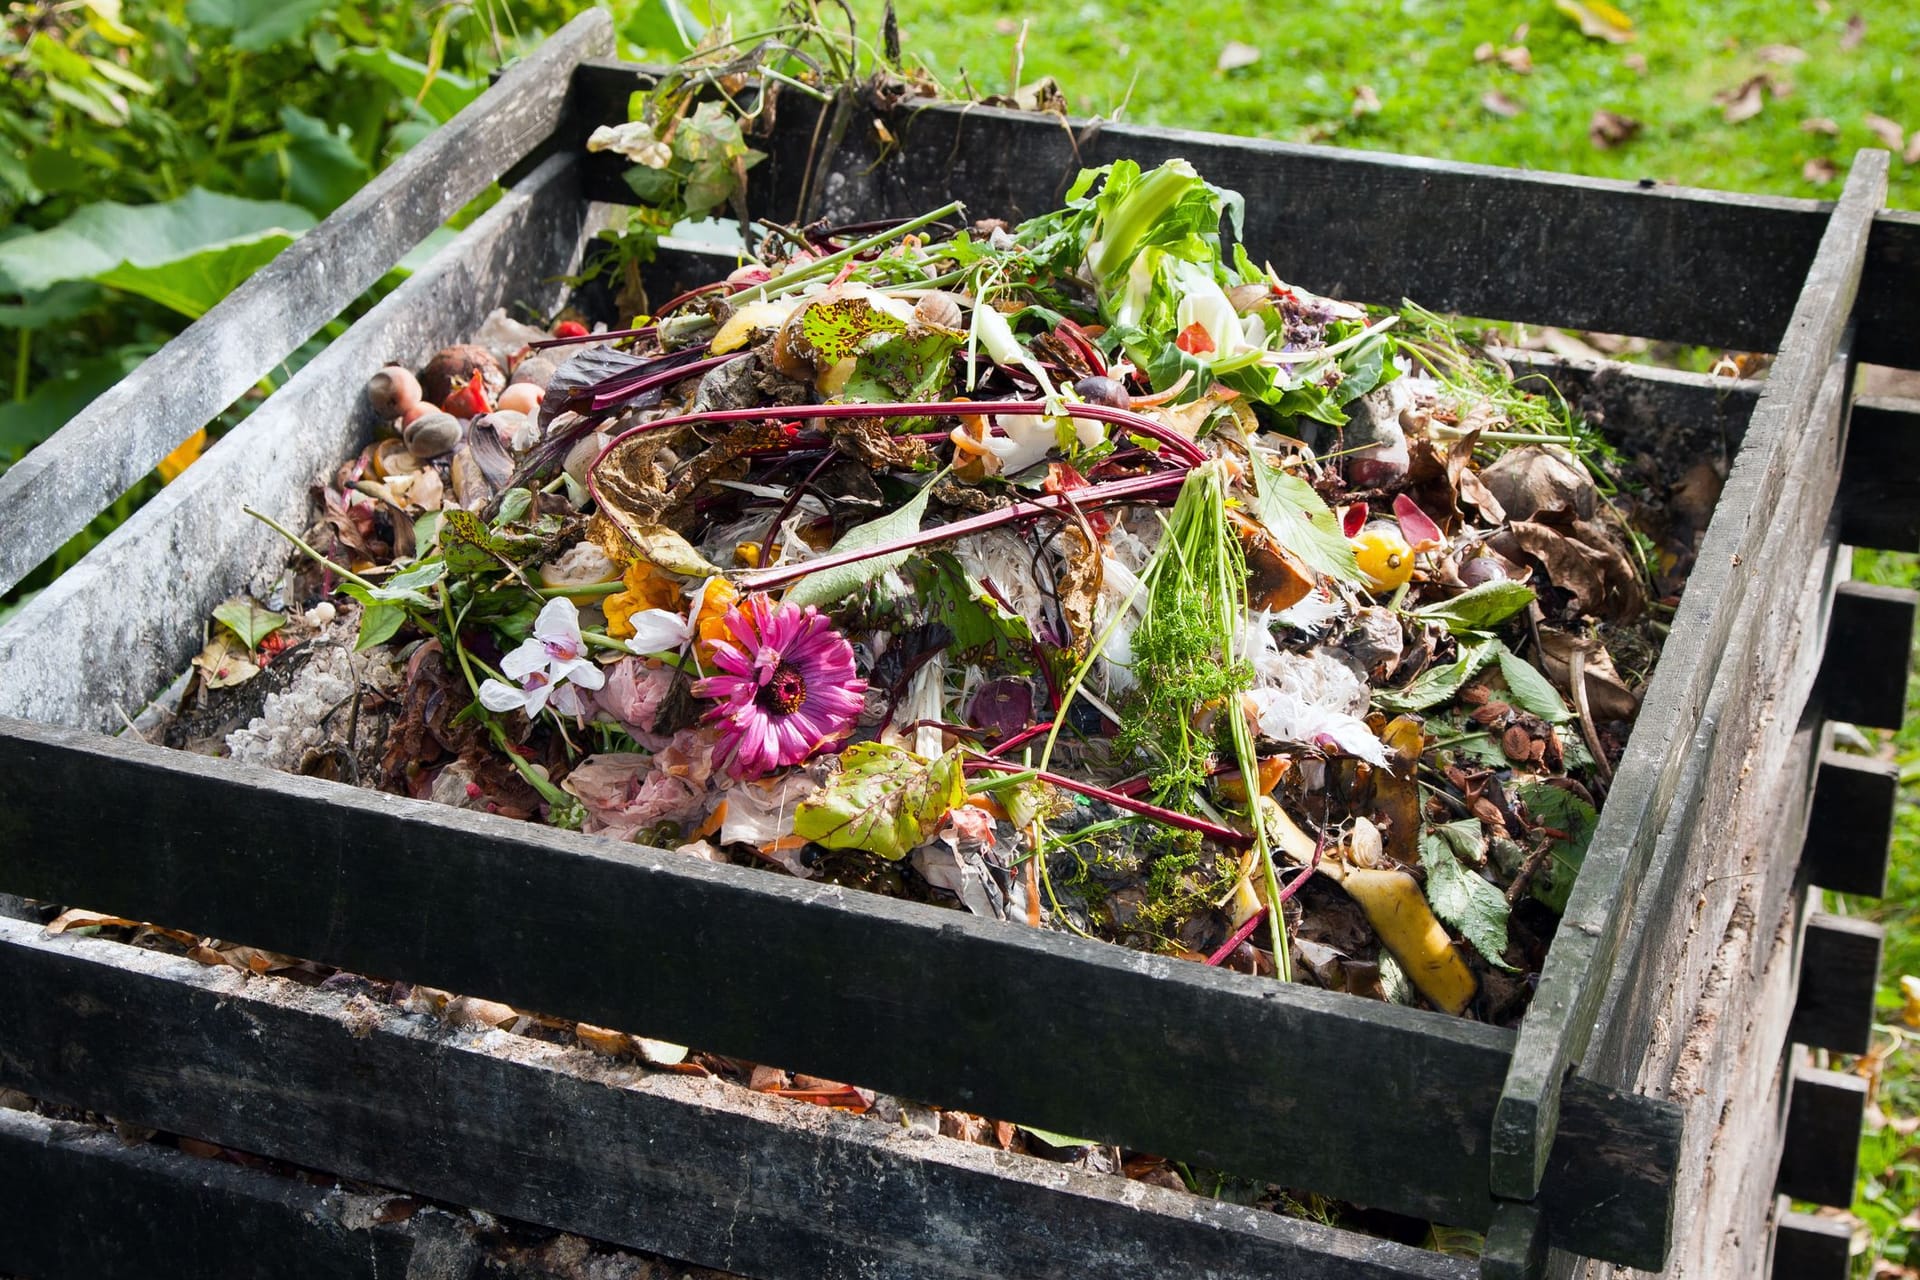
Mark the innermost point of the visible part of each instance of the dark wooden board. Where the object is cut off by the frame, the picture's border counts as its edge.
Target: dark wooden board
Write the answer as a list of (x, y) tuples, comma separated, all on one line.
[(691, 1168), (106, 450), (1157, 1054), (1839, 970), (1704, 267), (193, 545), (1809, 1247), (1644, 407), (1593, 930), (1821, 1157), (1869, 644), (1850, 829), (79, 1201), (1880, 476)]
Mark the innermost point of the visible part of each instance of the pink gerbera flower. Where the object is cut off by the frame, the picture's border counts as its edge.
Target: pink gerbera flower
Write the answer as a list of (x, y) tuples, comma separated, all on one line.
[(787, 686)]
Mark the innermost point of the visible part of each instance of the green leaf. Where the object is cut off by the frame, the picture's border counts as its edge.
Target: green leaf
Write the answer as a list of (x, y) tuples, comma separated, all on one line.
[(984, 633), (829, 585), (514, 503), (322, 168), (1484, 606), (440, 94), (1458, 895), (651, 186), (1053, 1139), (25, 423), (915, 365), (885, 800), (663, 25), (1560, 809), (249, 620), (466, 543), (186, 253), (837, 328), (257, 24), (378, 624), (1301, 521), (63, 302), (408, 585), (1531, 691), (1437, 685)]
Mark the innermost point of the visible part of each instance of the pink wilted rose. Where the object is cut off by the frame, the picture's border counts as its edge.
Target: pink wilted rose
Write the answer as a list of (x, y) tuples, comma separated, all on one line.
[(632, 696), (625, 794), (786, 686)]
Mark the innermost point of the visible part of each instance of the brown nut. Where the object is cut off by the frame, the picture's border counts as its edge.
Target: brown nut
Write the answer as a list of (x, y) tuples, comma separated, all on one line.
[(455, 366), (393, 391), (432, 435), (1517, 743)]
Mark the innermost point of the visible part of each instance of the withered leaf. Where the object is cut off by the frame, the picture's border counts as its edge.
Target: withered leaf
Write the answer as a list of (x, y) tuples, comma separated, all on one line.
[(1888, 131), (1608, 129), (1502, 105)]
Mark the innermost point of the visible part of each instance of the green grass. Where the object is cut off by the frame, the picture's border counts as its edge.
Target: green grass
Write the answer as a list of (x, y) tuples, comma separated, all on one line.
[(1155, 63)]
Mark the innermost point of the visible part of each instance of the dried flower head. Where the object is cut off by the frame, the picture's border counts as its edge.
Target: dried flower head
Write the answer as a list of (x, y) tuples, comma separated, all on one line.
[(786, 686)]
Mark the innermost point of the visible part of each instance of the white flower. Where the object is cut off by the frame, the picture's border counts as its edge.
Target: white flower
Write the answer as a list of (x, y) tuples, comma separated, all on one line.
[(1203, 302), (550, 666), (659, 631), (635, 141)]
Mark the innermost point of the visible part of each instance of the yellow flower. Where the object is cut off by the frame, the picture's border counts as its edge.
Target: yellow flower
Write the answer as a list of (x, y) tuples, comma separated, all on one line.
[(180, 459), (646, 588)]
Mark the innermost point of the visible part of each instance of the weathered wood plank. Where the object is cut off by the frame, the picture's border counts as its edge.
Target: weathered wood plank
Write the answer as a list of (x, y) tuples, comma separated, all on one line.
[(692, 1168), (192, 545), (1839, 970), (1704, 267), (1869, 644), (1880, 477), (1809, 1247), (1821, 1158), (1850, 830), (1559, 1024), (79, 1201), (1516, 1247), (1159, 1055), (56, 489), (1644, 406)]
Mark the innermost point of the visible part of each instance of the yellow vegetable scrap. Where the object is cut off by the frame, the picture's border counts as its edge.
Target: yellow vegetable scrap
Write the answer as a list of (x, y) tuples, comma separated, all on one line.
[(646, 588)]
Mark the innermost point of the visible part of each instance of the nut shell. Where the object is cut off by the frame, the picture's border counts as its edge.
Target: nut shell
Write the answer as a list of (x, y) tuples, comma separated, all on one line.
[(393, 391), (433, 434), (938, 307), (455, 366), (519, 397), (536, 370)]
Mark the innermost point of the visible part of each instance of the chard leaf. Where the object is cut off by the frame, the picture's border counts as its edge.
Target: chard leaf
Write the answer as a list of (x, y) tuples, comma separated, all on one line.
[(1559, 808), (1301, 522), (1460, 896), (914, 365), (1435, 686), (250, 621), (1531, 691), (829, 585), (835, 329), (984, 633), (885, 800), (1484, 606)]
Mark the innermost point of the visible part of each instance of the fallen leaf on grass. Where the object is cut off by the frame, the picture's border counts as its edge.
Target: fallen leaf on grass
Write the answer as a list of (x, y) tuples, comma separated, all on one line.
[(224, 662), (1912, 155), (1888, 131), (1235, 55), (1609, 129), (1485, 51), (1745, 102), (1598, 20), (1781, 55), (1365, 101), (1635, 62), (1519, 58), (1820, 124), (1501, 105), (1819, 170), (1855, 33)]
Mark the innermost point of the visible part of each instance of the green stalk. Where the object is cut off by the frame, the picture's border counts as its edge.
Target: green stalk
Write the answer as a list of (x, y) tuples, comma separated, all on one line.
[(295, 539), (1139, 209), (787, 280), (22, 366)]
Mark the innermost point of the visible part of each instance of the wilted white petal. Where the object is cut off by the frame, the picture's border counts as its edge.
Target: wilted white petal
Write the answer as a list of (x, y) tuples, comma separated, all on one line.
[(530, 657), (657, 631), (495, 696), (584, 672), (559, 623)]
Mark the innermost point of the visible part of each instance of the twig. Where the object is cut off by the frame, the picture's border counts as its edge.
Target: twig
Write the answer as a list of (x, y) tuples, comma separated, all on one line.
[(1577, 686)]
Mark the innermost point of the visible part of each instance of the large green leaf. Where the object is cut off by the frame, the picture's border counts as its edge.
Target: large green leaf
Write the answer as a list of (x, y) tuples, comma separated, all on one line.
[(664, 25), (257, 24), (186, 253), (829, 585), (440, 94), (322, 170), (25, 423), (885, 800), (1461, 896)]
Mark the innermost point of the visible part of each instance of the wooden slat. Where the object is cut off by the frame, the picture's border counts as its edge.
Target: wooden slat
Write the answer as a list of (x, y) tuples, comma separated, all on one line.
[(143, 595), (1807, 1246), (1559, 1023), (1880, 477), (687, 1167), (1011, 1022), (79, 1201), (1821, 1158), (1839, 970), (1703, 267), (1850, 830), (1516, 1246), (56, 489), (1645, 407), (1869, 647)]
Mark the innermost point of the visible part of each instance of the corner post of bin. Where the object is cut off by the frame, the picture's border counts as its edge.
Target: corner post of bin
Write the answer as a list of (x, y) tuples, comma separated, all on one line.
[(112, 444), (1556, 1032)]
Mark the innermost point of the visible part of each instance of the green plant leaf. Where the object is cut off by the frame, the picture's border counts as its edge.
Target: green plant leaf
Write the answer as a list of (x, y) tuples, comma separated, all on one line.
[(248, 619), (1531, 691), (61, 303), (257, 24), (915, 365), (186, 253), (1434, 686), (378, 624), (1560, 809), (1301, 522), (984, 633), (884, 800), (829, 585), (663, 25), (25, 423), (322, 169), (1458, 895), (1484, 606), (441, 94)]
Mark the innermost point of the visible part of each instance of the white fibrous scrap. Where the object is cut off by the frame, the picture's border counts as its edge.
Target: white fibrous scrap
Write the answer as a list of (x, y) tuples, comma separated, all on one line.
[(1312, 699), (307, 714)]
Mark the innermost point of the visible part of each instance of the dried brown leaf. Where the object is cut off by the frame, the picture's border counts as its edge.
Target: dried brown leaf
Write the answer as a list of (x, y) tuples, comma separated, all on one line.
[(1501, 105), (1781, 55), (1485, 51), (1820, 124), (1855, 33), (1819, 170), (1365, 101), (1234, 55), (1609, 129), (1744, 102), (1635, 62), (1890, 132), (1912, 155), (1518, 59), (1598, 20)]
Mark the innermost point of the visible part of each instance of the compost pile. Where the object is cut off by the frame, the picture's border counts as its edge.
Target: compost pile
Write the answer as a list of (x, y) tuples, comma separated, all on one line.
[(1080, 574)]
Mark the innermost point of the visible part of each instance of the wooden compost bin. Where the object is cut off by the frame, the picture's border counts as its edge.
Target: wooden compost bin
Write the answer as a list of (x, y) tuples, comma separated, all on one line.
[(1646, 1112)]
